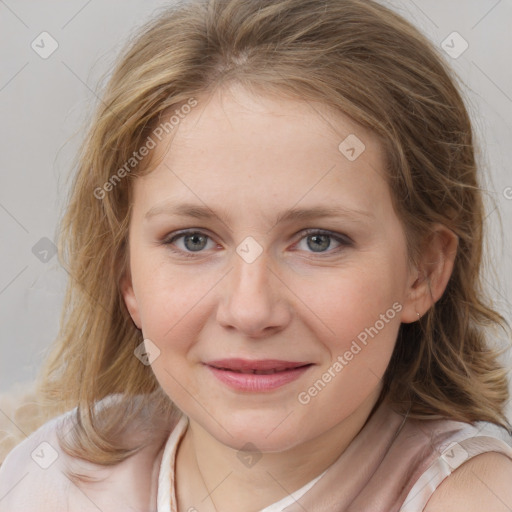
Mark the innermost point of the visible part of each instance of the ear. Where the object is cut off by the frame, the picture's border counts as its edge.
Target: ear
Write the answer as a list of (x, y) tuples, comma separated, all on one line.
[(430, 276), (126, 287)]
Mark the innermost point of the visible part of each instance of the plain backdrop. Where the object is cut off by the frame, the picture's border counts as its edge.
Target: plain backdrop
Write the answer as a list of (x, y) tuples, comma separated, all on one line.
[(44, 103)]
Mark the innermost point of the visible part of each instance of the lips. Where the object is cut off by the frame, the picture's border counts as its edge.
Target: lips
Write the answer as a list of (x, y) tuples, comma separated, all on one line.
[(264, 375), (256, 367)]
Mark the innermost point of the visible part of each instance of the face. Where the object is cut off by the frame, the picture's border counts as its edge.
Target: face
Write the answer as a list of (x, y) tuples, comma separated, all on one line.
[(220, 269)]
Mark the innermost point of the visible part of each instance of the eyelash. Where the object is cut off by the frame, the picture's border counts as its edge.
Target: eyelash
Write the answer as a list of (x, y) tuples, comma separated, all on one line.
[(343, 240)]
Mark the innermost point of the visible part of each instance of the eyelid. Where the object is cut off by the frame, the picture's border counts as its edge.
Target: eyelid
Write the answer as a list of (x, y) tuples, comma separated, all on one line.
[(341, 237)]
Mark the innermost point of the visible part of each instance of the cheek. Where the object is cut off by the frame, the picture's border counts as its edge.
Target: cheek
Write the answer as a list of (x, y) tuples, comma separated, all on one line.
[(363, 311), (163, 298), (172, 309), (347, 302)]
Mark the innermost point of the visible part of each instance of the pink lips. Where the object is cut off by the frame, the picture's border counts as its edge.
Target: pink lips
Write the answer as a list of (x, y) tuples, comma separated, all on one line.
[(260, 375)]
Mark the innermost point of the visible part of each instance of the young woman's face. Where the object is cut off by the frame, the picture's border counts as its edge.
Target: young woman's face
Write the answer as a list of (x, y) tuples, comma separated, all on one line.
[(264, 235)]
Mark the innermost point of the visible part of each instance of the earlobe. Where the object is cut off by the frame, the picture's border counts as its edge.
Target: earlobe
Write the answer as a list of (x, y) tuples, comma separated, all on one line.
[(126, 287), (432, 273)]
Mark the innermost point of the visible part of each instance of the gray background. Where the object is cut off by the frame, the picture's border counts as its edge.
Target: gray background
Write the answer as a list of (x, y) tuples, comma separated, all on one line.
[(44, 104)]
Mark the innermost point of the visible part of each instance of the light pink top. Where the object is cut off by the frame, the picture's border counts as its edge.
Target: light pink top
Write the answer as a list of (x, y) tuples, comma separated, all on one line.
[(392, 465), (166, 499)]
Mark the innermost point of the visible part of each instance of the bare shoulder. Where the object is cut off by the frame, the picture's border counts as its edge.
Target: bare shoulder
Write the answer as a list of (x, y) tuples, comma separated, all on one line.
[(482, 483)]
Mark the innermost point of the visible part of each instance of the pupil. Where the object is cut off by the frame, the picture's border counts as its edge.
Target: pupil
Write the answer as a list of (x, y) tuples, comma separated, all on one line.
[(320, 238), (195, 238)]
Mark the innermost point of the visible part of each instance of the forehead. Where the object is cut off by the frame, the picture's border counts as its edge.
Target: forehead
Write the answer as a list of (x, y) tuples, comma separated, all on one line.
[(235, 112), (237, 148)]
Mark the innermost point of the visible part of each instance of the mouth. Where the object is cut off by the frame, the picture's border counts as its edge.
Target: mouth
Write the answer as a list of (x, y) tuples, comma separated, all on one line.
[(259, 367), (257, 376)]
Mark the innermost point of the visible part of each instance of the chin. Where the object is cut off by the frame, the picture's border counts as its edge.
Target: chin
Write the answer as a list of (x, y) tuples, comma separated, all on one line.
[(267, 432)]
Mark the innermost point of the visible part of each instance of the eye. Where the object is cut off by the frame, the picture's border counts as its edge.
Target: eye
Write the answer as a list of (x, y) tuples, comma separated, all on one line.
[(193, 242), (318, 241)]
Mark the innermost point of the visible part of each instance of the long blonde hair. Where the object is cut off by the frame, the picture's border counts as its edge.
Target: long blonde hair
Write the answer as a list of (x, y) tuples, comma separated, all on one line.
[(356, 57)]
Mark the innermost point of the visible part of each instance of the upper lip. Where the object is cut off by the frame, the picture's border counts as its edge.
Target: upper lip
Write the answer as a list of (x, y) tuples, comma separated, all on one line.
[(239, 364)]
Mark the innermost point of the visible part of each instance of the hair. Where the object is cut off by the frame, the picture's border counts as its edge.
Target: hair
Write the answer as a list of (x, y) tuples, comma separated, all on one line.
[(356, 57)]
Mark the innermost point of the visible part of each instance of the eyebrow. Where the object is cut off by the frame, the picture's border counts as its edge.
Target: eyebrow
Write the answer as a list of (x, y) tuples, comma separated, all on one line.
[(203, 212)]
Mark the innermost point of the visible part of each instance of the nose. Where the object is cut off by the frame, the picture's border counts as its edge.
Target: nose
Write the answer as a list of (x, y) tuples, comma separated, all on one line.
[(254, 299)]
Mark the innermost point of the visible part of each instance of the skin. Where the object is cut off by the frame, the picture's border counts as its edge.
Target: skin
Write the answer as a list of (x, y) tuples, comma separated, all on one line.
[(482, 483), (249, 158)]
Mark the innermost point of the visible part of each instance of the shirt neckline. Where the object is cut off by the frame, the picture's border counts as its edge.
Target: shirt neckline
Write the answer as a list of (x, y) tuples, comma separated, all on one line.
[(166, 492)]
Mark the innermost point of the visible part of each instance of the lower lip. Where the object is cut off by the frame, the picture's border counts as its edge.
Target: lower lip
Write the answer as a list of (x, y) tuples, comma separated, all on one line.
[(256, 383)]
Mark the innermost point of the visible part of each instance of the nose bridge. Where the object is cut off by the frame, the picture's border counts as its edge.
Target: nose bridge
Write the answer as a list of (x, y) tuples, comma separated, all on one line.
[(251, 277), (252, 302)]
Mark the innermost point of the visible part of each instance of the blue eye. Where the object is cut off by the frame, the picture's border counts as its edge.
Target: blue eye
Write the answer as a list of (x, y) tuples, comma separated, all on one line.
[(318, 241), (194, 241)]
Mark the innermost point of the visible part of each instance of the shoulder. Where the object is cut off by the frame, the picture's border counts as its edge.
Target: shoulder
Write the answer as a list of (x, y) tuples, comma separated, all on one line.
[(21, 414), (457, 466), (30, 474), (39, 475), (481, 483)]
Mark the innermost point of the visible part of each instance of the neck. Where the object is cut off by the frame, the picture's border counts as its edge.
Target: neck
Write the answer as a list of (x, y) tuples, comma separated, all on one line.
[(202, 461)]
